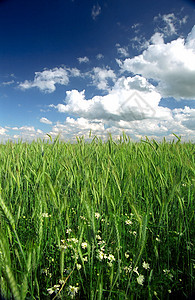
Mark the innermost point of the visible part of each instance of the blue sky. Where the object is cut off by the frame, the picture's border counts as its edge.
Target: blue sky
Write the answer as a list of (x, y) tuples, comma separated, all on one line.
[(110, 66)]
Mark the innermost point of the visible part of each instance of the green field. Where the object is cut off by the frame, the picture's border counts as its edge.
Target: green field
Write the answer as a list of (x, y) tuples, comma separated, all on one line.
[(98, 220)]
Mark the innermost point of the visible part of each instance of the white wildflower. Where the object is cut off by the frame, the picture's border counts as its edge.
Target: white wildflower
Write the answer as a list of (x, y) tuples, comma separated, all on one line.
[(45, 215), (79, 266), (128, 222), (97, 215), (136, 271), (72, 290), (146, 265), (50, 291), (84, 245), (55, 289), (101, 255), (111, 257), (140, 279)]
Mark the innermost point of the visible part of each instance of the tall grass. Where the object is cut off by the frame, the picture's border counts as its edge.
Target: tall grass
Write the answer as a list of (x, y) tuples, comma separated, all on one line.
[(99, 220)]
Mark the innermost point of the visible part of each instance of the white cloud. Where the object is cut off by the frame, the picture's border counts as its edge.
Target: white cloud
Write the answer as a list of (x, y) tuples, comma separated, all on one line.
[(84, 59), (96, 10), (27, 133), (172, 65), (27, 128), (75, 72), (139, 43), (99, 56), (131, 98), (136, 27), (47, 80), (185, 116), (169, 23), (45, 121), (132, 105), (123, 51), (101, 76), (39, 131), (8, 82), (3, 131)]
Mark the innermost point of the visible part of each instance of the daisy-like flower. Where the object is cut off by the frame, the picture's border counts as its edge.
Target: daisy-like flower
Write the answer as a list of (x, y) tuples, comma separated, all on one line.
[(50, 291), (68, 230), (79, 266), (140, 279), (97, 215), (54, 289), (85, 259), (101, 255), (146, 265), (72, 290), (111, 257), (98, 237), (126, 254), (84, 245), (128, 222), (45, 215)]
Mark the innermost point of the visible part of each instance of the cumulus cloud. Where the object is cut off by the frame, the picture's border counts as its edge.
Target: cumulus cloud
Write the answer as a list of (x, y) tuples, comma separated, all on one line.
[(47, 80), (96, 10), (84, 59), (28, 133), (132, 105), (100, 77), (131, 98), (27, 128), (135, 129), (171, 65), (74, 72), (185, 116), (3, 131), (45, 121)]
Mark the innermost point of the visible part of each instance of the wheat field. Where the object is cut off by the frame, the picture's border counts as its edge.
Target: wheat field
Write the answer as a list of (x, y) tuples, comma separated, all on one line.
[(98, 220)]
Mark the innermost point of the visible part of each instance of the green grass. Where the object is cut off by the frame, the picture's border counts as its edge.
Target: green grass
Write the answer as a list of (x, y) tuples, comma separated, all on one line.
[(88, 218)]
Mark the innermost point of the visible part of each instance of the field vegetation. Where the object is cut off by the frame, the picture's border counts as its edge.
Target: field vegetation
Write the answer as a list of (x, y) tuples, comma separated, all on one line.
[(98, 220)]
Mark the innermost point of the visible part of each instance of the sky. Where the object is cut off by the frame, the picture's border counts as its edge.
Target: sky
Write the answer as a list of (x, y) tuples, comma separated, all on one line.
[(69, 67)]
